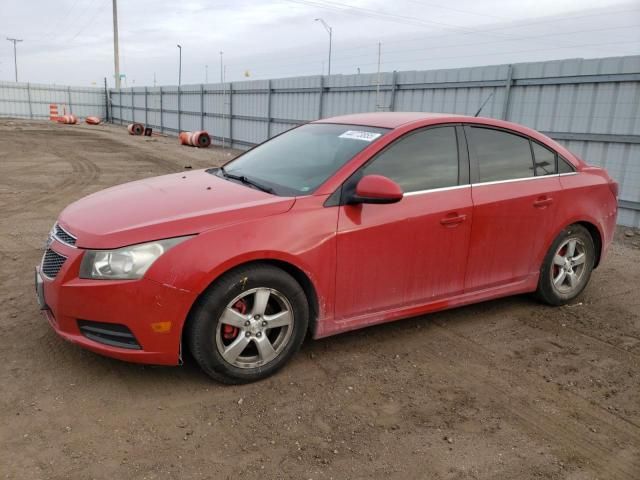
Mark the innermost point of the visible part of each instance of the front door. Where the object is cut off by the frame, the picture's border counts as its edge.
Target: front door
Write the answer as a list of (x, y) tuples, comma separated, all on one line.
[(414, 251)]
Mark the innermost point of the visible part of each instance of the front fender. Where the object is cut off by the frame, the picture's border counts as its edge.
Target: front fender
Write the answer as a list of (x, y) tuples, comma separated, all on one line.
[(303, 237)]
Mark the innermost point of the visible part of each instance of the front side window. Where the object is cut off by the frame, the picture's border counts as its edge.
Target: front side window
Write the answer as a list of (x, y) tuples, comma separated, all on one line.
[(500, 155), (423, 160), (300, 160)]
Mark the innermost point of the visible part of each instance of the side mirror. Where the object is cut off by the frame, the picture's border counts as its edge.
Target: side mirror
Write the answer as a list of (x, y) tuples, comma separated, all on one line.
[(376, 189)]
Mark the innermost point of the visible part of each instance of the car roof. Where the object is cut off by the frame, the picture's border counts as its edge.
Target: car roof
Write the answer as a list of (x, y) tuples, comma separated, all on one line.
[(389, 119), (393, 120)]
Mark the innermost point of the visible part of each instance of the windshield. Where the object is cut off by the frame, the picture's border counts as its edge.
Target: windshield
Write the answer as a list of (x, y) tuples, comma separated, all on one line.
[(300, 160)]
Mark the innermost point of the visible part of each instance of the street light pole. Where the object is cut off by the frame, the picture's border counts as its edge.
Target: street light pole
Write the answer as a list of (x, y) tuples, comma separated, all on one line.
[(116, 52), (180, 66), (221, 68), (330, 32), (15, 58)]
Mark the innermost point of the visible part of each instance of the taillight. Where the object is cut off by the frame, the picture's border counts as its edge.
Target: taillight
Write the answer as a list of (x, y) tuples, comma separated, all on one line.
[(614, 188)]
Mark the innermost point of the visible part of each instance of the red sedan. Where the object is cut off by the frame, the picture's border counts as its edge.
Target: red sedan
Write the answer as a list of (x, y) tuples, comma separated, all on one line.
[(332, 226)]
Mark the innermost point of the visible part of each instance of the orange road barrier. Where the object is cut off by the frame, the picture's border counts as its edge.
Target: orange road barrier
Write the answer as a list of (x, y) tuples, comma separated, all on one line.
[(68, 119), (93, 120), (53, 112), (135, 129), (195, 139)]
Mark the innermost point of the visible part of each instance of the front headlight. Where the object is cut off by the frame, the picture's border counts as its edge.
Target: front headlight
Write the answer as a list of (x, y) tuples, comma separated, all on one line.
[(127, 263)]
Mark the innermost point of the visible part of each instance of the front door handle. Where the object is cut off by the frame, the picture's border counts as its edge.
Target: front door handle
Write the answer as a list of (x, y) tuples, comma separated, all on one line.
[(453, 219), (543, 202)]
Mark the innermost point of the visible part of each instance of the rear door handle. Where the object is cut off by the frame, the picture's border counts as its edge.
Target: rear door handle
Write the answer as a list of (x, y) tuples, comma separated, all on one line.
[(453, 219), (543, 202)]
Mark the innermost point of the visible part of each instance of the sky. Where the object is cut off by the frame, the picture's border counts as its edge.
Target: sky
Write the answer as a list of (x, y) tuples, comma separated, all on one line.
[(71, 41)]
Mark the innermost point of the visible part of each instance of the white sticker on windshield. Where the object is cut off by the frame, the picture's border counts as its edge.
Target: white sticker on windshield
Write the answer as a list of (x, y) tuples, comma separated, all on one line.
[(360, 135)]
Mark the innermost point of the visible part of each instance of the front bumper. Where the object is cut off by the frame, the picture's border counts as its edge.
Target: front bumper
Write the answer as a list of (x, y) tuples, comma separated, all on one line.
[(153, 312)]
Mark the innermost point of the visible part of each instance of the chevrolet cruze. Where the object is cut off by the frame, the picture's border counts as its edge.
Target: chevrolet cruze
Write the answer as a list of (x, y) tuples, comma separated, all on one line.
[(332, 226)]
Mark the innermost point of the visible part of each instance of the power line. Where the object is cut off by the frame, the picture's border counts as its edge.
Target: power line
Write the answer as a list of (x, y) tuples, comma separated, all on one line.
[(91, 20), (448, 57), (342, 58), (349, 9)]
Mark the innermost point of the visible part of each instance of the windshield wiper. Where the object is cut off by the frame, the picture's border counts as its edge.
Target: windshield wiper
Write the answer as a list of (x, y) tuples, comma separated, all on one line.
[(247, 181)]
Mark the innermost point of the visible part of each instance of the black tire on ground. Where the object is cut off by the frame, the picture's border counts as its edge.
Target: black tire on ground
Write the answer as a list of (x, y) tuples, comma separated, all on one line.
[(560, 293), (203, 331)]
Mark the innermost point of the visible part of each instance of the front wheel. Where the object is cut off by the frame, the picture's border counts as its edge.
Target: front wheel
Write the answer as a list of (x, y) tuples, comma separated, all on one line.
[(567, 266), (249, 324)]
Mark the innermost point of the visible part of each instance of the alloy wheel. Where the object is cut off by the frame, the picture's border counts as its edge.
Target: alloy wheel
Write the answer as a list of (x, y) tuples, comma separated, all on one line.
[(569, 265), (254, 328)]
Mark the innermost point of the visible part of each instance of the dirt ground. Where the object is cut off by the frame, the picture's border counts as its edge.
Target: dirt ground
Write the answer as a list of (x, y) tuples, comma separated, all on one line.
[(508, 389)]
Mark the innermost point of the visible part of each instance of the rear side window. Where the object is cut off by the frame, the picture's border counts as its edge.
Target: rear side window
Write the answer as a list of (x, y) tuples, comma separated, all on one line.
[(423, 160), (501, 155), (544, 160)]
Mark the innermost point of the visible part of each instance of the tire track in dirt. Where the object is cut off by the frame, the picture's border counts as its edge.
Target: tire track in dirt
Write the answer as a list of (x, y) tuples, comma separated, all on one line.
[(83, 172), (573, 437)]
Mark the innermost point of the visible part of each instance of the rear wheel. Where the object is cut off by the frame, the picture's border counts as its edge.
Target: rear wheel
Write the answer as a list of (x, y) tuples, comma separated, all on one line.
[(567, 266), (249, 324)]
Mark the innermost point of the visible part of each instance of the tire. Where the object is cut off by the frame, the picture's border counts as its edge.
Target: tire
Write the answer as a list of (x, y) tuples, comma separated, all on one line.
[(567, 267), (238, 331)]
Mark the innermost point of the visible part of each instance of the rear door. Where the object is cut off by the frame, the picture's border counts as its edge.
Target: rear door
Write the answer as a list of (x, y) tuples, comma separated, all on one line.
[(515, 201), (414, 251)]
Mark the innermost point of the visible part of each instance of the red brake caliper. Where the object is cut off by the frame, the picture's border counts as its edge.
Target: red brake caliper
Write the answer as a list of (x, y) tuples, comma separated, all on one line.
[(230, 332)]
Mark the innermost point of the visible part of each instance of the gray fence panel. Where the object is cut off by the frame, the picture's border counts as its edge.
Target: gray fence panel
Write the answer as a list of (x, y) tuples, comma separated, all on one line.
[(31, 100)]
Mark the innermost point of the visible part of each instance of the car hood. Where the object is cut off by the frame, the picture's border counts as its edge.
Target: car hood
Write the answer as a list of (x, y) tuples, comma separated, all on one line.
[(165, 207)]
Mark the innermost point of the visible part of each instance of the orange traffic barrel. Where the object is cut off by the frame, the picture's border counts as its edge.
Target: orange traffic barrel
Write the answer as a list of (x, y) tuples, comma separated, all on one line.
[(53, 112), (135, 129), (68, 119), (195, 139), (93, 120)]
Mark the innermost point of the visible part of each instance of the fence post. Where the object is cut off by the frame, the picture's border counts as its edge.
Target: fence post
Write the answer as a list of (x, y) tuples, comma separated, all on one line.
[(321, 92), (507, 92), (133, 111), (146, 111), (230, 114), (69, 99), (29, 99), (161, 121), (106, 100), (268, 109), (201, 106), (178, 109), (392, 101)]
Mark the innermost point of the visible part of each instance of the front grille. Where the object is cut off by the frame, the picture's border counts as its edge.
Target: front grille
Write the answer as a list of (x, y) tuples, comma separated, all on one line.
[(64, 236), (52, 263), (112, 334)]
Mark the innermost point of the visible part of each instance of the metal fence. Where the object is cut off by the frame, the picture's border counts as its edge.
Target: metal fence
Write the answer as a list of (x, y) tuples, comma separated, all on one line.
[(32, 100), (591, 106)]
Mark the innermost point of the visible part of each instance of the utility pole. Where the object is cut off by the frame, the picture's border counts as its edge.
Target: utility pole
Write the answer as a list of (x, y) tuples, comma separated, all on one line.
[(330, 32), (15, 58), (378, 80), (180, 66), (221, 68), (116, 52)]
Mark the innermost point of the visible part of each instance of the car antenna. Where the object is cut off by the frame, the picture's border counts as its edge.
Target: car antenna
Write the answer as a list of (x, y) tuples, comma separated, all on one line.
[(483, 104)]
